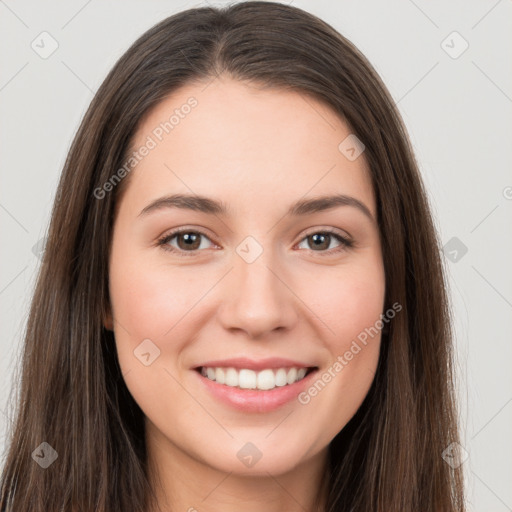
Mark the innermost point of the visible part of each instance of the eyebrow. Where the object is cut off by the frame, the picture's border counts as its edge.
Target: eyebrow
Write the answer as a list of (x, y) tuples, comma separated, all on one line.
[(211, 206)]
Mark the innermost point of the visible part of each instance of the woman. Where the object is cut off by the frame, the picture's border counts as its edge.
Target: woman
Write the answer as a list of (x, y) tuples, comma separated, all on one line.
[(241, 300)]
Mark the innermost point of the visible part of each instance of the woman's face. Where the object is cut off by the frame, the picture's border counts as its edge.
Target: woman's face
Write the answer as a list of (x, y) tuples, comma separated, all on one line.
[(260, 280)]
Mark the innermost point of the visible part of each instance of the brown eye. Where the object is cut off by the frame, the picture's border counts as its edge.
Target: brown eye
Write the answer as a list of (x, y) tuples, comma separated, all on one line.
[(184, 241), (189, 240), (320, 241)]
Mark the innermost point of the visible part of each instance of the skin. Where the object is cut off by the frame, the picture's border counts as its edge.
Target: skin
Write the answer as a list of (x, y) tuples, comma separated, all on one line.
[(258, 151)]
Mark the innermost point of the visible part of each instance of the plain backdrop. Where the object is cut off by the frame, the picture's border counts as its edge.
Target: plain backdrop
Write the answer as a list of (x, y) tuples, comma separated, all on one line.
[(448, 66)]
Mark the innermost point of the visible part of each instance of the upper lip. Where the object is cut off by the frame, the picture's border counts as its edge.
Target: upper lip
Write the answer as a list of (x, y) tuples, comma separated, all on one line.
[(251, 364)]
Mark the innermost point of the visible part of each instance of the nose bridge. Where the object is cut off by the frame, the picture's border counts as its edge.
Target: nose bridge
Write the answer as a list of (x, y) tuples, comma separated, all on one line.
[(257, 300)]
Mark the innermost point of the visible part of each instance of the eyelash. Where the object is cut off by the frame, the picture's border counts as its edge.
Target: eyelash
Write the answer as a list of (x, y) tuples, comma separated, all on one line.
[(163, 242)]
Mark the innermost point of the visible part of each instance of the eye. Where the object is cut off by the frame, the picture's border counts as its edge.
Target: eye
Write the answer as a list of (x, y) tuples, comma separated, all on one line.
[(322, 240), (187, 240)]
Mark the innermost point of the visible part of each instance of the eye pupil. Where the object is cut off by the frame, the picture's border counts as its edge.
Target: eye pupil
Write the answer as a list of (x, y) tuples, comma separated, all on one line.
[(190, 239), (320, 237)]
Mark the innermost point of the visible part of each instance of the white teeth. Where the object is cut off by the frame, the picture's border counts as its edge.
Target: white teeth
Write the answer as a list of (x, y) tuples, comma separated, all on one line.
[(220, 375), (292, 375), (247, 379), (281, 377), (231, 377), (250, 379), (266, 379)]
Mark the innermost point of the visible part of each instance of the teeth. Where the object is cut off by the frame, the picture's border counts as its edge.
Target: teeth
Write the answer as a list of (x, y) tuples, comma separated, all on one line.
[(249, 379)]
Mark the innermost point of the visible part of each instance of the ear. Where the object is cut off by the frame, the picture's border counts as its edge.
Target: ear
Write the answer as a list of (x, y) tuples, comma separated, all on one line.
[(108, 321)]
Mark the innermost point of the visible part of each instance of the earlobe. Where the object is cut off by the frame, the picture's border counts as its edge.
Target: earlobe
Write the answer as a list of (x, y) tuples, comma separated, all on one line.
[(108, 322)]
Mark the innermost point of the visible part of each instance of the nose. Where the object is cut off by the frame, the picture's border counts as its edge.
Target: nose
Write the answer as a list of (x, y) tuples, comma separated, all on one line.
[(256, 299)]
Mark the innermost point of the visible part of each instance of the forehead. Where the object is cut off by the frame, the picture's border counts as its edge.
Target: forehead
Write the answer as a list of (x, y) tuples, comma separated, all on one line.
[(246, 144)]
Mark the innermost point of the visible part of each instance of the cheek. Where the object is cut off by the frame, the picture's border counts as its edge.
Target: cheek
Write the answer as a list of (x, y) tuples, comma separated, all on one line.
[(349, 302), (150, 299), (150, 302), (350, 310)]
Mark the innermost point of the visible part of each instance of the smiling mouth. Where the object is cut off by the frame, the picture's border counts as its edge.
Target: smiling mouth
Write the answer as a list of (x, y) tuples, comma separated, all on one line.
[(263, 380)]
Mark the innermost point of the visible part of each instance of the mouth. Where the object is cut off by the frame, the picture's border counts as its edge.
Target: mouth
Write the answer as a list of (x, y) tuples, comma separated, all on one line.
[(251, 391), (266, 379)]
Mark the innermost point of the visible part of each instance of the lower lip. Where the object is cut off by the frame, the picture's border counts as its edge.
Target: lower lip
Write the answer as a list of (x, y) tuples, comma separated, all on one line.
[(252, 400)]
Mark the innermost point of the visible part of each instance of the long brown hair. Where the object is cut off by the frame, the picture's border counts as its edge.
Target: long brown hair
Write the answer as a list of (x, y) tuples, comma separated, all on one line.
[(72, 394)]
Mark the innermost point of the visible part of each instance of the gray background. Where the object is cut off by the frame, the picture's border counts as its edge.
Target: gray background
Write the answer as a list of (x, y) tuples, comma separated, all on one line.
[(457, 109)]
